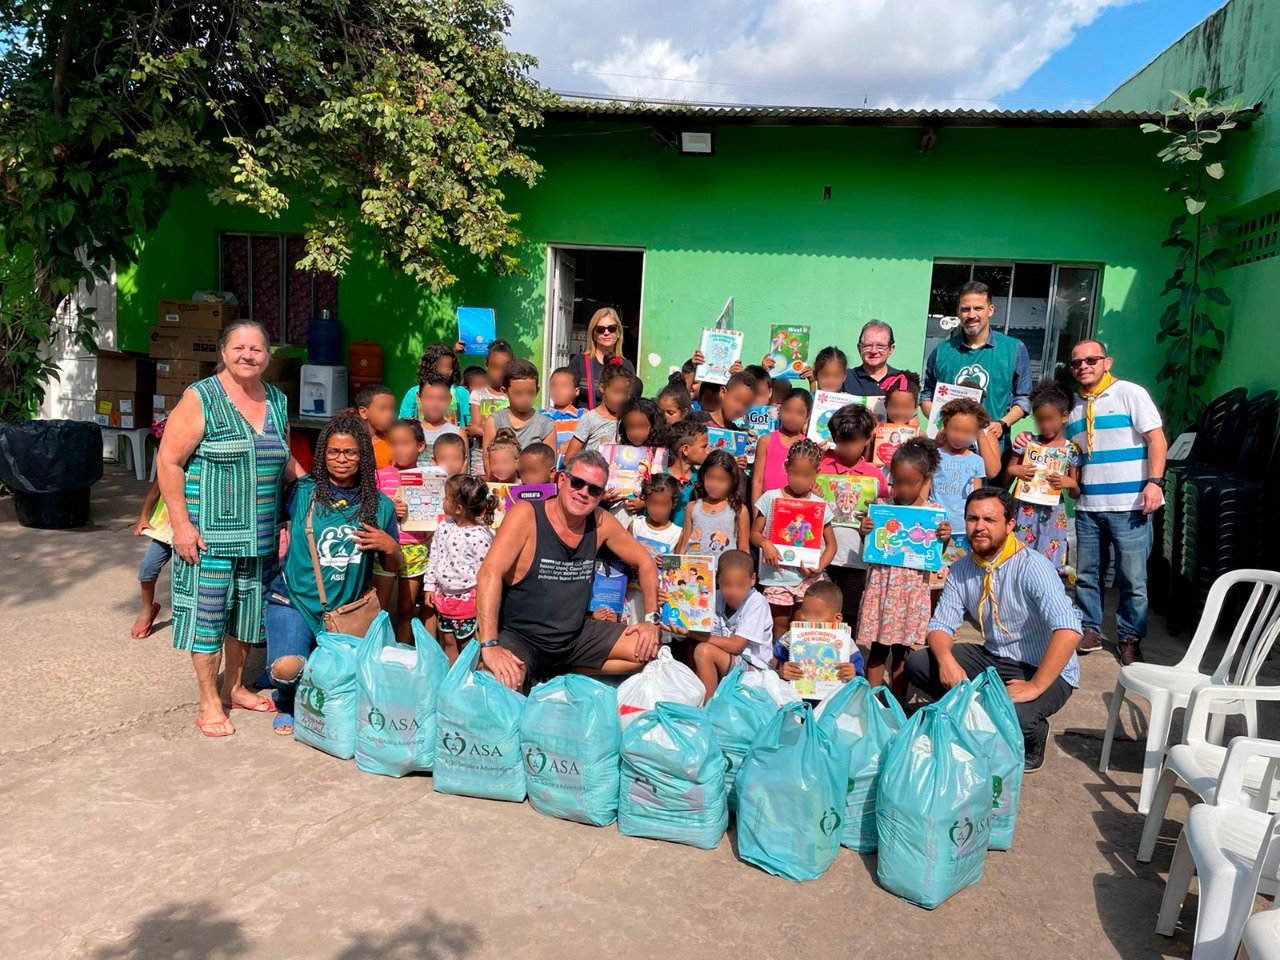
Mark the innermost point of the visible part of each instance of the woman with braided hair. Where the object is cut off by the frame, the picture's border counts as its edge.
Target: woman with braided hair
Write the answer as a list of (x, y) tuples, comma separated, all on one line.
[(336, 516)]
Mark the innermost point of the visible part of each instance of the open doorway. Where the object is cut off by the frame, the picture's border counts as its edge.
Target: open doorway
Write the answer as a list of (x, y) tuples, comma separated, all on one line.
[(581, 280)]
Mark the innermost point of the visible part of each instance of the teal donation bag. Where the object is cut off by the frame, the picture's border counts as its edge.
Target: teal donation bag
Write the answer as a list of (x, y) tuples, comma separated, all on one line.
[(478, 720), (864, 719), (396, 719), (933, 810), (328, 695), (570, 738), (673, 778), (738, 712), (791, 795), (983, 707)]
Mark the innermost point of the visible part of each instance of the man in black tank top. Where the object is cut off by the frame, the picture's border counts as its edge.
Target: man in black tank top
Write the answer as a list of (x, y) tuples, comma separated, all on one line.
[(535, 585)]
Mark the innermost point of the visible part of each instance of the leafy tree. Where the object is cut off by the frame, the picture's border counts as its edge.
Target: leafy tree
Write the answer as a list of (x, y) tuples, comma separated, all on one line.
[(392, 119)]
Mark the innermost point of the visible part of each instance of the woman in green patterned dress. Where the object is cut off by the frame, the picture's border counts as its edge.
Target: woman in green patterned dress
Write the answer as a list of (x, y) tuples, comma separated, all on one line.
[(224, 452)]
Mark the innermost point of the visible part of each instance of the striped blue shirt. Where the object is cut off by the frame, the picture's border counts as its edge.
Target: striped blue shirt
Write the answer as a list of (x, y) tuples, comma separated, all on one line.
[(1032, 604), (1114, 473)]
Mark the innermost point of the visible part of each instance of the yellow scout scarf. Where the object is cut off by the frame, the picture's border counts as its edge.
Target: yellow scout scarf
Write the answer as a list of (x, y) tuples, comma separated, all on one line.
[(988, 567), (1089, 396)]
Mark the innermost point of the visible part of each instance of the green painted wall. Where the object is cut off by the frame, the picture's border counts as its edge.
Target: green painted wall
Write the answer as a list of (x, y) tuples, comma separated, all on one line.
[(1237, 47), (751, 222)]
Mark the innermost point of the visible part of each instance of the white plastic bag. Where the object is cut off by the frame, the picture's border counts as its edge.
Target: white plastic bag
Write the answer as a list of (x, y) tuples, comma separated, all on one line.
[(772, 684), (663, 679)]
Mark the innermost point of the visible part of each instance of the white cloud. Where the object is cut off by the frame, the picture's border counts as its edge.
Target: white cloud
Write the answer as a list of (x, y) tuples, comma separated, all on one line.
[(823, 52)]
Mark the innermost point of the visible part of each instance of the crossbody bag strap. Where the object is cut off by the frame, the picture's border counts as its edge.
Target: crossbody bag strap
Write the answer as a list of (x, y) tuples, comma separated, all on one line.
[(315, 555), (591, 389)]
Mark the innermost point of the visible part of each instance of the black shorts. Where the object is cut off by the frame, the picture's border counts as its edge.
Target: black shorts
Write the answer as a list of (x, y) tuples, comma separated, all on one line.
[(589, 650)]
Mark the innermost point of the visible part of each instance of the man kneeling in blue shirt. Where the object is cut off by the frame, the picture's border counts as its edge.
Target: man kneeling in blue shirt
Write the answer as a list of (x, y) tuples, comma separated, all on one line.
[(1030, 627)]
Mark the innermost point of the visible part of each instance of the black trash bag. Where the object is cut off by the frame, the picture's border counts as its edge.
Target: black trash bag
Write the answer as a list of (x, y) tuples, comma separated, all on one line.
[(50, 456)]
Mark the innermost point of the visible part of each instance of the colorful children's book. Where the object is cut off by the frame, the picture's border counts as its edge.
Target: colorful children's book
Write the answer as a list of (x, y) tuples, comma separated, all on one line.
[(788, 348), (957, 547), (762, 420), (818, 649), (491, 405), (725, 320), (608, 589), (720, 350), (477, 328), (849, 495), (1048, 461), (889, 437), (422, 491), (655, 549), (904, 537), (826, 403), (690, 583), (509, 494), (161, 529), (796, 530), (733, 442), (630, 467), (943, 394)]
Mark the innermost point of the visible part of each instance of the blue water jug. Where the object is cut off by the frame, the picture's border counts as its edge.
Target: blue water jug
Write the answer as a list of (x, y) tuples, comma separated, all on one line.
[(324, 341)]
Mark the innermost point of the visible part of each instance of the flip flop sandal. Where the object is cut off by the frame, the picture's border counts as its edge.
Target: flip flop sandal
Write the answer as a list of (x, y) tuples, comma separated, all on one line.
[(204, 728), (264, 705), (155, 612), (282, 724)]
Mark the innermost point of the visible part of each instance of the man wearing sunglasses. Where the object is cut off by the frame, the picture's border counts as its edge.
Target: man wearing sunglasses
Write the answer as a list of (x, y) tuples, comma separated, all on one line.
[(535, 584), (1118, 428)]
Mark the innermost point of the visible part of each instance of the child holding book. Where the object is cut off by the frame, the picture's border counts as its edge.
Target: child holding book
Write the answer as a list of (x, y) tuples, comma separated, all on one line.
[(537, 464), (687, 451), (640, 425), (564, 409), (376, 405), (655, 531), (599, 426), (770, 470), (487, 398), (894, 618), (503, 457), (851, 427), (457, 550), (823, 603), (530, 425), (960, 470), (434, 394), (785, 587), (405, 438), (715, 520), (742, 624), (674, 401), (450, 454), (1041, 527), (153, 561)]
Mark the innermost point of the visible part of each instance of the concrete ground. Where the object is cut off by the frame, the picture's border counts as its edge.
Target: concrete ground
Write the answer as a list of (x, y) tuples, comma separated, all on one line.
[(127, 835)]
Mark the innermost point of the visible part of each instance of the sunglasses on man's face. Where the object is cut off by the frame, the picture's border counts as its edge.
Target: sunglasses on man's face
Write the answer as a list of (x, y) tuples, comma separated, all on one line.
[(1079, 362), (607, 328), (578, 483)]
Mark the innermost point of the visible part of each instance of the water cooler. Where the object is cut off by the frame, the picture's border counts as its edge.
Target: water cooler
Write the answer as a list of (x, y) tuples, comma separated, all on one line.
[(323, 391)]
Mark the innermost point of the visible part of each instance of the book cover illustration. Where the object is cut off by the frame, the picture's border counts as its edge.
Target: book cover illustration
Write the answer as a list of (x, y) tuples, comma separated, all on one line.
[(161, 529), (630, 467), (789, 349), (889, 437), (491, 405), (826, 403), (1048, 461), (818, 649), (477, 328), (904, 537), (795, 528), (690, 584), (762, 420), (608, 589), (849, 495), (943, 394), (733, 442), (725, 320), (957, 547), (655, 549), (509, 494), (422, 491), (720, 350)]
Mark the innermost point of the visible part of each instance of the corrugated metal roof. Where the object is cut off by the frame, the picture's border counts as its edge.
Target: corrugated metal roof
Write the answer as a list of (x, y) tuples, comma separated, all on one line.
[(658, 111)]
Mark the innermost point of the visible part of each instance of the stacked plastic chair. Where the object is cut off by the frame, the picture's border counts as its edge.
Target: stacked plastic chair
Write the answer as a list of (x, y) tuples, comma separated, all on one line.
[(1221, 514)]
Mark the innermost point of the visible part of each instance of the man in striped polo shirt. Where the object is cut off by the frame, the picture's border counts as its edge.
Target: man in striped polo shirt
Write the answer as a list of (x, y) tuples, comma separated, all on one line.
[(1118, 428)]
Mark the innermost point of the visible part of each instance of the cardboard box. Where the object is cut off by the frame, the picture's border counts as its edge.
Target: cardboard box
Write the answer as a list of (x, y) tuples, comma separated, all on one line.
[(198, 314), (126, 373), (174, 376), (118, 408), (162, 404), (183, 343)]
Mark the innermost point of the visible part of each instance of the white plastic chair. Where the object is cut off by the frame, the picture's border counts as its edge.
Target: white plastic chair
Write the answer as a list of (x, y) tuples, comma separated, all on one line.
[(1261, 940), (1233, 849), (1198, 763), (1167, 688)]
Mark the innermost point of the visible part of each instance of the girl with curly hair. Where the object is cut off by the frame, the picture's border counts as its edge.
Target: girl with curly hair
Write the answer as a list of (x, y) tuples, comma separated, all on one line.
[(443, 359)]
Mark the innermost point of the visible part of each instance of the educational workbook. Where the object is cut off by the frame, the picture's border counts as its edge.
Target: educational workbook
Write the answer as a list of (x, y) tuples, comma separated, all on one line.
[(795, 528), (630, 467), (818, 650), (1048, 461), (690, 583), (827, 402), (889, 437), (733, 442), (161, 529), (943, 394), (720, 350), (509, 494), (789, 349), (904, 537), (422, 491), (477, 328), (849, 495)]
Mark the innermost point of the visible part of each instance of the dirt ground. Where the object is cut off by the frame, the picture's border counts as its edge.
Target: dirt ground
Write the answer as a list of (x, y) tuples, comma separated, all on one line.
[(127, 835)]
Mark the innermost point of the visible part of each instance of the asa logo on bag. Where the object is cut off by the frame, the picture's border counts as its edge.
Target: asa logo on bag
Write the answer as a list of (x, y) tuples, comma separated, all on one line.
[(535, 760), (454, 743), (965, 834), (312, 699), (830, 822), (377, 719)]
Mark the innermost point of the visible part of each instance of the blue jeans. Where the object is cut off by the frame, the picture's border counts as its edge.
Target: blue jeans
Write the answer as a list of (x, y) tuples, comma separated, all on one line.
[(288, 635), (153, 561), (1130, 533)]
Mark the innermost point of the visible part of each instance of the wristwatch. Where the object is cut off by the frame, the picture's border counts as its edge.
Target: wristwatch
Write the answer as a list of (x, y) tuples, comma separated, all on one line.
[(655, 618), (486, 644), (1158, 481)]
